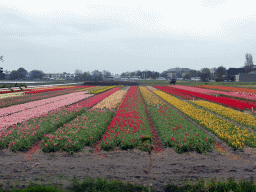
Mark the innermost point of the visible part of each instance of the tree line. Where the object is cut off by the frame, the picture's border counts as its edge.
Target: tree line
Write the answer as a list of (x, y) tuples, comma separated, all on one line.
[(23, 74), (205, 74)]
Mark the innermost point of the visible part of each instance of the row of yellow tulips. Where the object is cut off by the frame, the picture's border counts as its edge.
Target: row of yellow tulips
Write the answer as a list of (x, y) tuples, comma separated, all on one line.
[(51, 87), (90, 88), (235, 136), (151, 88), (239, 117), (112, 101), (149, 97), (11, 95), (101, 89)]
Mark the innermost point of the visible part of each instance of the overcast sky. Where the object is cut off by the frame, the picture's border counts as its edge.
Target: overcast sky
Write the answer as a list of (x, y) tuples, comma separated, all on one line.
[(119, 36)]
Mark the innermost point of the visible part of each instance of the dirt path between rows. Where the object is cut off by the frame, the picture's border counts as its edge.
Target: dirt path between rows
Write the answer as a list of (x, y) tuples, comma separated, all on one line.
[(167, 167)]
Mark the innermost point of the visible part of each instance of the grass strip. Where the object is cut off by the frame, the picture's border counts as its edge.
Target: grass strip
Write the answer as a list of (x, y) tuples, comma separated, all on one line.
[(89, 184)]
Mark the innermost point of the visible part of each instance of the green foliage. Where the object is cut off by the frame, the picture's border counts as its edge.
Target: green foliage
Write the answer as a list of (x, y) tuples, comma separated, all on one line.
[(84, 130), (95, 185), (230, 185), (174, 130), (144, 139), (47, 125)]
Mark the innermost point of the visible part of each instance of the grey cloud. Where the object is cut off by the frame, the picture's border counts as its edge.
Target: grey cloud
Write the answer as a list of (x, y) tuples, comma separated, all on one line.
[(95, 25), (212, 3)]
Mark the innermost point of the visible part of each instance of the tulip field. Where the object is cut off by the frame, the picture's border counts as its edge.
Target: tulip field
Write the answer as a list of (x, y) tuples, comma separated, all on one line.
[(70, 117), (145, 119)]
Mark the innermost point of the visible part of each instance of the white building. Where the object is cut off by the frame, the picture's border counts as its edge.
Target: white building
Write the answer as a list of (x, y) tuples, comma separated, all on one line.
[(57, 76), (196, 78)]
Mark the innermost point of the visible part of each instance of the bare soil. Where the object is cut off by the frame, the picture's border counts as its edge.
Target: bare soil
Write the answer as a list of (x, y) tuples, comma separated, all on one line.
[(167, 167)]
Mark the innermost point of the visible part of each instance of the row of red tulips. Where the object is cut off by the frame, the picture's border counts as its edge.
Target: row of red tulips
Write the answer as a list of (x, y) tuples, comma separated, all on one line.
[(176, 93), (229, 102), (4, 92), (129, 124), (243, 95)]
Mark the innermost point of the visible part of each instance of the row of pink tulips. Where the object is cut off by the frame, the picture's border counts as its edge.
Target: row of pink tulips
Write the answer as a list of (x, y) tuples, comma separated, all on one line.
[(22, 136), (33, 104), (6, 102), (25, 115), (244, 95)]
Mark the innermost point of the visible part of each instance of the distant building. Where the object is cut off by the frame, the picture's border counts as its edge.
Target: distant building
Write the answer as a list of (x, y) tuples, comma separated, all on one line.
[(57, 76), (177, 72), (232, 72), (135, 78), (246, 77), (125, 77), (109, 78), (196, 78), (238, 74)]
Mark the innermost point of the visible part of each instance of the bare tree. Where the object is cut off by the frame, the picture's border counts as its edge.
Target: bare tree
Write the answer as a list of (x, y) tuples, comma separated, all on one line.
[(248, 65), (1, 58)]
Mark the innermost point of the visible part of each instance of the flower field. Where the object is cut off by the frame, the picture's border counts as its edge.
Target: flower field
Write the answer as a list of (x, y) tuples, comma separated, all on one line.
[(115, 131), (22, 136), (7, 95), (100, 90), (234, 103), (231, 89), (112, 101), (9, 101), (243, 95), (21, 107), (6, 91), (241, 118), (85, 129), (235, 136), (175, 92), (48, 89), (128, 125), (174, 130), (22, 113)]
